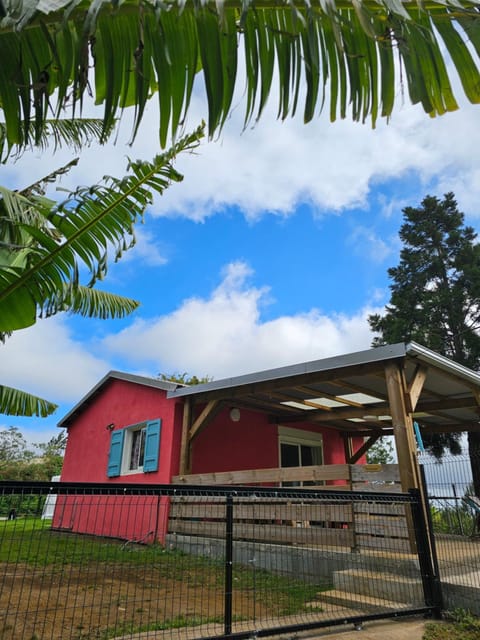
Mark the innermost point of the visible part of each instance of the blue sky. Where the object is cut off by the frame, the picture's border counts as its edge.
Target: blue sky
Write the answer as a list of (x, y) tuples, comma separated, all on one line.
[(273, 250)]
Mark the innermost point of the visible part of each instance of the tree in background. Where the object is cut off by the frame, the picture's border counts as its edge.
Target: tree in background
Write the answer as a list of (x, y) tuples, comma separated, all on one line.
[(435, 299), (22, 462), (184, 378), (381, 452), (52, 254), (19, 461)]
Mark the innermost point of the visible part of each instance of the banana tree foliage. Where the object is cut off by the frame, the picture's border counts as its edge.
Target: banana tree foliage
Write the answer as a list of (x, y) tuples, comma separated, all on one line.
[(346, 57), (52, 254), (75, 134), (19, 403)]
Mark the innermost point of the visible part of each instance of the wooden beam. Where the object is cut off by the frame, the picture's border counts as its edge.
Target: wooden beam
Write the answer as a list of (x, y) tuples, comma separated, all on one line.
[(329, 396), (288, 397), (416, 385), (432, 406), (348, 448), (363, 433), (450, 428), (476, 395), (185, 444), (206, 416), (345, 414), (363, 449), (402, 424), (357, 388)]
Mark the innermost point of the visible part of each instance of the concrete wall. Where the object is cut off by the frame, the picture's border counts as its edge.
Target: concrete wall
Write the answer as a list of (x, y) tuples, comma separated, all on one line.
[(307, 563)]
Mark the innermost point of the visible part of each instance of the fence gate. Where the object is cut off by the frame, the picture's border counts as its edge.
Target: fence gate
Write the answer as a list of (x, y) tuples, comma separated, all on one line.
[(133, 561)]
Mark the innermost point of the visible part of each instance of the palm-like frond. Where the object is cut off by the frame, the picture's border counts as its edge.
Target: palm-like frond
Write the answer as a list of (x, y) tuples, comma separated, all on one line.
[(75, 134), (89, 302), (54, 243), (345, 56), (14, 402)]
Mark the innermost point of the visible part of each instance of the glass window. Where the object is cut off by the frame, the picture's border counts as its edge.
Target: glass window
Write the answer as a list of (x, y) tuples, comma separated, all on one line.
[(134, 449), (299, 449), (137, 452)]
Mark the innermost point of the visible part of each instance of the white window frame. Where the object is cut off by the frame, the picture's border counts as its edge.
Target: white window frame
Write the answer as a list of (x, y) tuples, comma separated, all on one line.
[(127, 448), (287, 435)]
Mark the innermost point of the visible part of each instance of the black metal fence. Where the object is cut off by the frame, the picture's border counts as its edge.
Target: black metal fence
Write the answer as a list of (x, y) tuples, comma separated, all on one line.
[(83, 561), (455, 521)]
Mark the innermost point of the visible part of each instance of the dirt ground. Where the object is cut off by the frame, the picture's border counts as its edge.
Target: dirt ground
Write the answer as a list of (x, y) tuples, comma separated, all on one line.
[(78, 602)]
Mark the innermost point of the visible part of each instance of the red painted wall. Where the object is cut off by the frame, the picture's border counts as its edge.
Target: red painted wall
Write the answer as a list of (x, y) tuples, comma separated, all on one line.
[(123, 404)]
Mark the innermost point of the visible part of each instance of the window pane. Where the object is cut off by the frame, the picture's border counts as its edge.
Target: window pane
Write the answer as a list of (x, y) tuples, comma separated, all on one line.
[(138, 449), (289, 455), (311, 455)]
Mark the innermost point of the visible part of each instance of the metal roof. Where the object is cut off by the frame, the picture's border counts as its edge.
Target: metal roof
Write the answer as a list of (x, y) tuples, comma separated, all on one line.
[(348, 392)]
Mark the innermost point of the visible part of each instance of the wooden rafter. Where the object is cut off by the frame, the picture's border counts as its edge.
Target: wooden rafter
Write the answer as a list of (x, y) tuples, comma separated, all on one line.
[(211, 409), (329, 396), (415, 386), (364, 448)]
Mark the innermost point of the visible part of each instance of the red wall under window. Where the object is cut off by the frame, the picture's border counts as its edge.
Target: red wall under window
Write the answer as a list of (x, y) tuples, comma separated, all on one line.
[(251, 443)]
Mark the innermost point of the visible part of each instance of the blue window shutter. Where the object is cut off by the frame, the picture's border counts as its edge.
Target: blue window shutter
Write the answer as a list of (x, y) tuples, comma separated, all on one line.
[(115, 455), (152, 446)]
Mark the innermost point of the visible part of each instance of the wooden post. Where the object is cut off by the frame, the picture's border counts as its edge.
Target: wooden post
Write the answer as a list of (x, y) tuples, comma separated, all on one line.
[(348, 448), (404, 437), (184, 467), (402, 427)]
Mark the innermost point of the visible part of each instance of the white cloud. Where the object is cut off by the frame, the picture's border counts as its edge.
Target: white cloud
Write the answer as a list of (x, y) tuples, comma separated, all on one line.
[(367, 243), (224, 335), (146, 250), (47, 361)]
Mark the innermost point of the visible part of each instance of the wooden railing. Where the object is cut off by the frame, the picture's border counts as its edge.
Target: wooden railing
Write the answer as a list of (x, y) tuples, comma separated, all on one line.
[(358, 525), (316, 475)]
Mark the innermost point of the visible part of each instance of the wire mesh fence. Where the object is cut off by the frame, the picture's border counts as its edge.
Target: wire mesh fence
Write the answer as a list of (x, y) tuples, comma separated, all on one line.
[(99, 562), (455, 521)]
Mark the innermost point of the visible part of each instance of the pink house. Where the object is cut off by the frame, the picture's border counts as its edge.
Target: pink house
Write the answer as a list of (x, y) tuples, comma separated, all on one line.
[(288, 422)]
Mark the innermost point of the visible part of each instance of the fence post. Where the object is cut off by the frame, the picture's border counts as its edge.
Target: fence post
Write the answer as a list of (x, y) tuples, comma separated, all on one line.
[(228, 565), (426, 557)]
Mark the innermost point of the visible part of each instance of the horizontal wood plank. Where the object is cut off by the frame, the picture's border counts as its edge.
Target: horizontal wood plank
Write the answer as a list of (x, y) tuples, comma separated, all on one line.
[(399, 545), (259, 511), (314, 473), (382, 527), (375, 473), (272, 533), (380, 508)]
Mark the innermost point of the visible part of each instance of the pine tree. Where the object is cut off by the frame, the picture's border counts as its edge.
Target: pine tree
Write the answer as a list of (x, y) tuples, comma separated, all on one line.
[(435, 298)]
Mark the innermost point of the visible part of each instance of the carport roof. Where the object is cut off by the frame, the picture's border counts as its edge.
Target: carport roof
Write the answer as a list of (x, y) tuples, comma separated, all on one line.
[(349, 392)]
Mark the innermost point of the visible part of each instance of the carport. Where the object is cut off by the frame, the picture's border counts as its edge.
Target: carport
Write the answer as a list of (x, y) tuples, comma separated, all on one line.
[(369, 394)]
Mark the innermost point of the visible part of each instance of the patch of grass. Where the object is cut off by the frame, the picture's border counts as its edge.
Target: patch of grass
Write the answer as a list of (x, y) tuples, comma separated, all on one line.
[(458, 625), (175, 623), (32, 541), (285, 594)]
